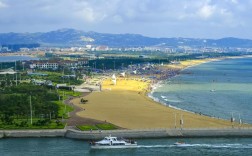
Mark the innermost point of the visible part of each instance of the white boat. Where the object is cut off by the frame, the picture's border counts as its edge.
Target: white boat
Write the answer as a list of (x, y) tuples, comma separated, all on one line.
[(112, 142)]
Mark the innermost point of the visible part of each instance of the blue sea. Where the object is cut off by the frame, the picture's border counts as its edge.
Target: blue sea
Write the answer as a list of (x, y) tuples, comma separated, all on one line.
[(146, 147), (16, 58), (220, 89)]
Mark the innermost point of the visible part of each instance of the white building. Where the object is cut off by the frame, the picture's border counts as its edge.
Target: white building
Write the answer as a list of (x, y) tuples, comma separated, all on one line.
[(44, 65)]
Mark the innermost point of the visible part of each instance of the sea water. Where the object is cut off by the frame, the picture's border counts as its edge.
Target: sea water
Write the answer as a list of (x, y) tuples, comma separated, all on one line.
[(16, 58), (221, 89), (146, 147)]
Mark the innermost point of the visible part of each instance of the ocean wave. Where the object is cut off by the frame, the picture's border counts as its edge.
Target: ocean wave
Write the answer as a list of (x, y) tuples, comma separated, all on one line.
[(150, 95), (170, 100), (164, 97), (232, 146)]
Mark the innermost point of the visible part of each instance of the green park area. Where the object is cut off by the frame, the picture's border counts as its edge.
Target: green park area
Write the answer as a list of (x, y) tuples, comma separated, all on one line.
[(28, 106), (104, 126)]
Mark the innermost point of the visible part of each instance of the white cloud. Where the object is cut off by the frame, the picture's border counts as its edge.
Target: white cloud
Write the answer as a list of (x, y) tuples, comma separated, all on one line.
[(206, 11), (3, 5), (234, 1), (151, 17)]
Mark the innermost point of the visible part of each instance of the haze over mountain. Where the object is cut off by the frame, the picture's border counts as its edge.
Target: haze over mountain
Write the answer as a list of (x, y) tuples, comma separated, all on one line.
[(72, 37), (155, 18)]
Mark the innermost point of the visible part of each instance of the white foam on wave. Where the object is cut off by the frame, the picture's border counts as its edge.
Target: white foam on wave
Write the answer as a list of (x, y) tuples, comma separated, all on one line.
[(165, 104), (170, 100), (155, 146), (163, 96), (156, 86), (232, 146)]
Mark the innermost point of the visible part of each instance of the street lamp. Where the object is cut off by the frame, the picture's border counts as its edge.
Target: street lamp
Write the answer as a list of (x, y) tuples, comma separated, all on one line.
[(181, 121), (31, 109), (103, 66), (23, 63), (175, 124)]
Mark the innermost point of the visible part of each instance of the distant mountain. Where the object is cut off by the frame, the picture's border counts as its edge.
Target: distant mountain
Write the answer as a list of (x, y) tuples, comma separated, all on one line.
[(71, 37)]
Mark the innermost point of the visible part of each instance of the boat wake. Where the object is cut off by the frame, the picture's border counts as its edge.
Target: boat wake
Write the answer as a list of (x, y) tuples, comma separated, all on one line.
[(210, 146)]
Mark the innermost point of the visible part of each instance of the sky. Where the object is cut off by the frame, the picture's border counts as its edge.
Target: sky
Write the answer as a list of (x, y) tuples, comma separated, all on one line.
[(155, 18)]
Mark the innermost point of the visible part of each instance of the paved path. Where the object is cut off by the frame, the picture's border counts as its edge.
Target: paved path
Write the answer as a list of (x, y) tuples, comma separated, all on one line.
[(74, 119)]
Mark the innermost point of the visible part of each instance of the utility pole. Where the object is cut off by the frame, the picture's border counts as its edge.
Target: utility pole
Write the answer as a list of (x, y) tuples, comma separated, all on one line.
[(31, 109), (232, 120), (103, 66), (175, 124), (16, 71), (23, 65), (240, 121), (63, 101), (63, 73)]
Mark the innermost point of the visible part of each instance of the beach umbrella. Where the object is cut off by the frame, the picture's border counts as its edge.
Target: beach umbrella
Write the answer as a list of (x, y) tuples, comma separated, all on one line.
[(232, 118), (113, 76), (114, 81), (240, 120), (123, 74), (135, 72)]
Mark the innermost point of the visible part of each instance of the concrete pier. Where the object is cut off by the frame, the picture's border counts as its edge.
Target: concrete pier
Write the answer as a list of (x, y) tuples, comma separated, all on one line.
[(137, 134)]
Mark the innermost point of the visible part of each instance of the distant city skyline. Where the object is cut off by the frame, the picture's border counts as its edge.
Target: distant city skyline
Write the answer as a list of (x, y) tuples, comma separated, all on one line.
[(154, 18)]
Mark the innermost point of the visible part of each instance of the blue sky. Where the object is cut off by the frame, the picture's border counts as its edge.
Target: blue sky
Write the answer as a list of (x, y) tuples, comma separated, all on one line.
[(155, 18)]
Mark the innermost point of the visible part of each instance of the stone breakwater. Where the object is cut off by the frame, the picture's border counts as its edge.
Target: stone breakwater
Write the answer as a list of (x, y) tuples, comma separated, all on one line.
[(136, 134)]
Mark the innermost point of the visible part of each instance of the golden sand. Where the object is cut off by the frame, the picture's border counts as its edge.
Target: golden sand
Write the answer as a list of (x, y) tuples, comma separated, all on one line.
[(189, 63), (126, 105)]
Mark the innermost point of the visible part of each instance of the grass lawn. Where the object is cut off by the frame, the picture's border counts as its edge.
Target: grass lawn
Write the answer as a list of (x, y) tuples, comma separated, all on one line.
[(63, 109), (106, 126), (87, 127), (97, 127), (68, 93), (51, 125)]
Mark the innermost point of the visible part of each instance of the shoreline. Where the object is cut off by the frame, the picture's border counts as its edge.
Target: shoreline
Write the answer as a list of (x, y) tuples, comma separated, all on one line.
[(159, 83), (128, 105)]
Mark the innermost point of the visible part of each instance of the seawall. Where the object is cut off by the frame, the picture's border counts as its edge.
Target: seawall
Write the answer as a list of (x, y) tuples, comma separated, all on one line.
[(32, 133), (137, 134)]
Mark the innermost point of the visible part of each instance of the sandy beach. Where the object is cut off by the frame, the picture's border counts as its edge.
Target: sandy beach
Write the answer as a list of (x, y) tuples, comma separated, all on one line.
[(127, 105)]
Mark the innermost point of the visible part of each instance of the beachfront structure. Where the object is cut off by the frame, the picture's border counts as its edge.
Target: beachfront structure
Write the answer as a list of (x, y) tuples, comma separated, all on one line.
[(7, 71), (54, 64), (44, 65), (74, 63), (123, 74), (42, 82), (114, 79)]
